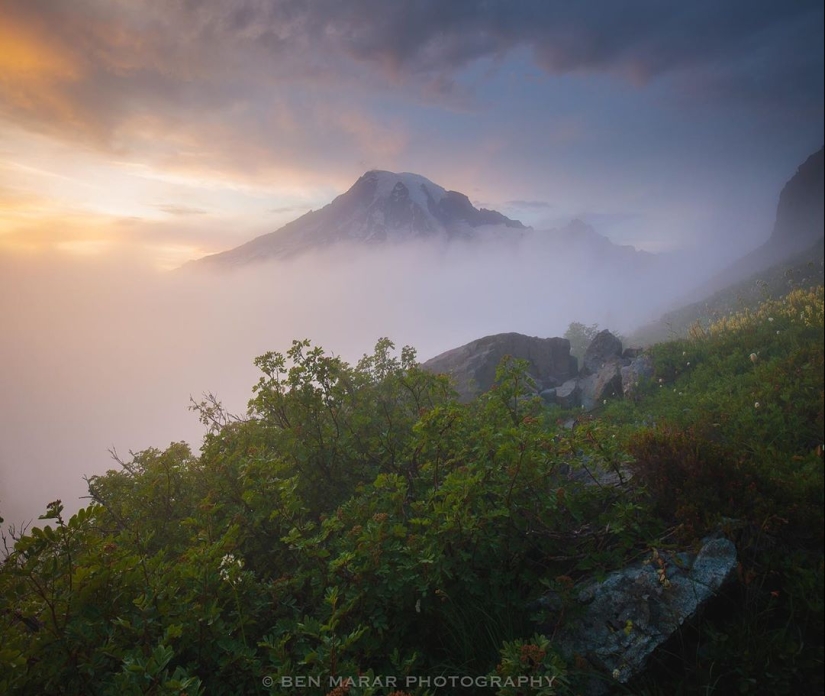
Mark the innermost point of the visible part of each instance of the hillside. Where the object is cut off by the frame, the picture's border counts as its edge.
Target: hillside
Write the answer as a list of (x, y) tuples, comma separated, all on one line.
[(360, 522), (792, 257), (798, 226), (799, 271)]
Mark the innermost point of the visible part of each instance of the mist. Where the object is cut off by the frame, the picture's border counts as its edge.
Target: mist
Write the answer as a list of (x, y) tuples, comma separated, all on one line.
[(101, 353)]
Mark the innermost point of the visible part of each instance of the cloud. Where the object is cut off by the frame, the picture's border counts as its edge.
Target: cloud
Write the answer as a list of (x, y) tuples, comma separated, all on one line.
[(293, 99), (94, 70), (101, 352), (172, 209)]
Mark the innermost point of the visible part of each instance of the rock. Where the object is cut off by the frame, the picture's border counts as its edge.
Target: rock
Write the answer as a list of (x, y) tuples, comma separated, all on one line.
[(621, 621), (640, 367), (473, 366), (549, 396), (799, 214), (605, 383), (602, 349), (567, 395), (631, 353)]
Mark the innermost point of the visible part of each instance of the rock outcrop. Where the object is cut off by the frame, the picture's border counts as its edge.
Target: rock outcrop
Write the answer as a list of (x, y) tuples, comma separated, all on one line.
[(473, 366), (567, 395), (799, 214), (640, 367), (607, 371), (604, 348), (799, 227), (618, 623), (602, 385)]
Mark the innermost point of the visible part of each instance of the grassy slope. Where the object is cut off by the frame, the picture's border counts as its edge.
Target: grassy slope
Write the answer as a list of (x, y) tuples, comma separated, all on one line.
[(802, 270), (733, 423)]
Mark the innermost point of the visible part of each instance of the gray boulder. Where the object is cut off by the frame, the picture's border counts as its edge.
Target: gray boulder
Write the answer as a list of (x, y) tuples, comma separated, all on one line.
[(549, 396), (604, 348), (567, 395), (606, 382), (473, 366), (640, 367), (618, 623)]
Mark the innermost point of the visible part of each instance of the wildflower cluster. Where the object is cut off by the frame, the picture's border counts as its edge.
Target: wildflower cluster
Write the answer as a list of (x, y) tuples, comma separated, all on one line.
[(230, 569)]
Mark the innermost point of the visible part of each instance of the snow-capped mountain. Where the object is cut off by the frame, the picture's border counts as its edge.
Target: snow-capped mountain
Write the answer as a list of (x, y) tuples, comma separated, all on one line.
[(381, 206)]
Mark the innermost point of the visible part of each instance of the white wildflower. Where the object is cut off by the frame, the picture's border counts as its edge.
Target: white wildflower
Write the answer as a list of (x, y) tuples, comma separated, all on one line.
[(756, 404), (228, 567), (754, 357), (616, 673)]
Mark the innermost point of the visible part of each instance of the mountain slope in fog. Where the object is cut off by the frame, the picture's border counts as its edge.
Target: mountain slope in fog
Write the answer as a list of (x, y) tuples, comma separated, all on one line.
[(791, 258), (381, 206), (798, 227)]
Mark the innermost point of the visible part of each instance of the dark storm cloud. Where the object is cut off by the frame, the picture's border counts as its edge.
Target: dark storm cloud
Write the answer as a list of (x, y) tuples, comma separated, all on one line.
[(638, 40), (93, 63)]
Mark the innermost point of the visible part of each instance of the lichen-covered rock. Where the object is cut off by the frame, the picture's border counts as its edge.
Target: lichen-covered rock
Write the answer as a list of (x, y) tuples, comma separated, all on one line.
[(620, 622)]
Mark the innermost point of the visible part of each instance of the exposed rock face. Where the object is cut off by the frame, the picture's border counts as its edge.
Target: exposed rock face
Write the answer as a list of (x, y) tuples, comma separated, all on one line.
[(640, 367), (625, 618), (601, 385), (799, 214), (380, 207), (473, 366), (567, 395), (604, 348), (799, 226), (607, 371)]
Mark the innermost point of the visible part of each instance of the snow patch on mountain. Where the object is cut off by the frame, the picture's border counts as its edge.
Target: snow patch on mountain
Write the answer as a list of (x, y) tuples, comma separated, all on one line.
[(420, 189)]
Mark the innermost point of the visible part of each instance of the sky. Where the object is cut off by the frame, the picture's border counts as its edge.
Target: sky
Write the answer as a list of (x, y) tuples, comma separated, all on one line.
[(172, 128), (135, 136)]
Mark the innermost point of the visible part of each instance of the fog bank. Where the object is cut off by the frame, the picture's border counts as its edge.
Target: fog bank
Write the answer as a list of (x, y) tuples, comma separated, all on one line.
[(99, 354)]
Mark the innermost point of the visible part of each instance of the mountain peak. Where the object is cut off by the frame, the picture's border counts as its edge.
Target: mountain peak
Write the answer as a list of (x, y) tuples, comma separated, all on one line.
[(379, 207)]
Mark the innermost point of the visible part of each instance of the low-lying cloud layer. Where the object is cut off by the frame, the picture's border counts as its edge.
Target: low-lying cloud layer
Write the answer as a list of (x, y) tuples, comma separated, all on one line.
[(97, 356)]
